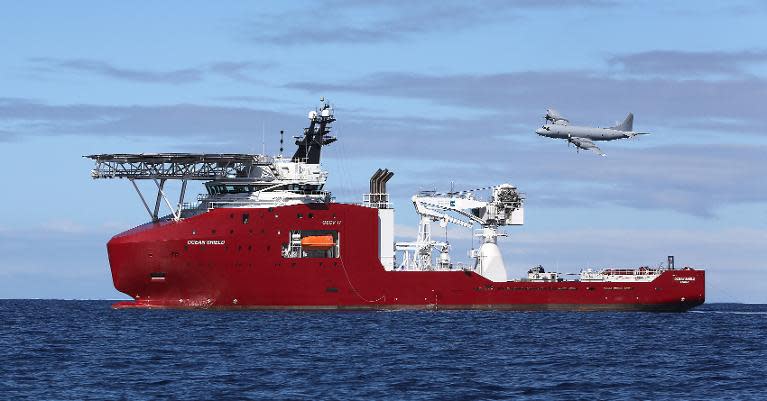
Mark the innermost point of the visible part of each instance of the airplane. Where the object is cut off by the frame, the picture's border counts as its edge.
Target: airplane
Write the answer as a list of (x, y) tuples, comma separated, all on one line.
[(559, 127)]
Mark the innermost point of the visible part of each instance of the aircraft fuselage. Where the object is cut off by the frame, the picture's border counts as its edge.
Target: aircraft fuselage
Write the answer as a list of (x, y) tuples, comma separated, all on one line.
[(568, 131)]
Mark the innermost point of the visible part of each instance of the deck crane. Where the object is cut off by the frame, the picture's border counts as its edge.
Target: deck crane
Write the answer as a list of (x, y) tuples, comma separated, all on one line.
[(504, 207)]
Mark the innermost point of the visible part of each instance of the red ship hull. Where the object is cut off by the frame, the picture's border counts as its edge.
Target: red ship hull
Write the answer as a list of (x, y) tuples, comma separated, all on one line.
[(222, 259)]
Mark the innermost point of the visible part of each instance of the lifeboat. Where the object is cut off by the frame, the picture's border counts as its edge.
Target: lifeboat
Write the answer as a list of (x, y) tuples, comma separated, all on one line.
[(317, 242)]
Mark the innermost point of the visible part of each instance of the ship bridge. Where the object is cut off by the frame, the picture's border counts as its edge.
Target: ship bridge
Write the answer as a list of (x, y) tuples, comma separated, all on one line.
[(231, 179)]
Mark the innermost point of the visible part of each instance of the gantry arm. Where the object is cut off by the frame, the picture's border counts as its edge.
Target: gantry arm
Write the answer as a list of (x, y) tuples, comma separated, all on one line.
[(437, 207)]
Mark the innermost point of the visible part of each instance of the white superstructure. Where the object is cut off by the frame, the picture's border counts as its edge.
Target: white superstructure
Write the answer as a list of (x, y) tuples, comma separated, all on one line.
[(231, 180)]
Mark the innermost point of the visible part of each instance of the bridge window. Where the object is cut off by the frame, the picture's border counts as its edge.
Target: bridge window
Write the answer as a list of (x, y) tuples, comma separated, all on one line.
[(221, 189)]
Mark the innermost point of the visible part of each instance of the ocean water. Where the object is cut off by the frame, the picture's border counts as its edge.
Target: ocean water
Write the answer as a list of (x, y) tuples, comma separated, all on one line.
[(71, 350)]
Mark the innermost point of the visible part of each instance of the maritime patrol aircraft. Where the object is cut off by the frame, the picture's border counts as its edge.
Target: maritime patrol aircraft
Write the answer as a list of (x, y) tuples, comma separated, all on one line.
[(558, 127)]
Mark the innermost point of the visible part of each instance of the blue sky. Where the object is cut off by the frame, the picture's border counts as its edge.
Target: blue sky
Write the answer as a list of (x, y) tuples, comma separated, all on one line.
[(439, 92)]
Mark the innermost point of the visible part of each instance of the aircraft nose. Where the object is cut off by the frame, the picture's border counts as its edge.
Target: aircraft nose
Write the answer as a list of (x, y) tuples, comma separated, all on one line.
[(540, 131)]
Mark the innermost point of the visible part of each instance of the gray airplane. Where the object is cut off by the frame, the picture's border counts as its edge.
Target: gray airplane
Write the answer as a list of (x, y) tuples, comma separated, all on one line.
[(559, 127)]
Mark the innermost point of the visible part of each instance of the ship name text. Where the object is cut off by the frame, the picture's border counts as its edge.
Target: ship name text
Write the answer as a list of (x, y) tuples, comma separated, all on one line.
[(205, 242)]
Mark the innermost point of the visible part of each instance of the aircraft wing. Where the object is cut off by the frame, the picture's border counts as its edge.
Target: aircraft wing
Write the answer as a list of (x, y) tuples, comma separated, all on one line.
[(585, 144), (598, 151), (554, 117)]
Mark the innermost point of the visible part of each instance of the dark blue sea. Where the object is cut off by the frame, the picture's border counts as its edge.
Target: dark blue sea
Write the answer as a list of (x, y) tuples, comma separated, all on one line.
[(72, 350)]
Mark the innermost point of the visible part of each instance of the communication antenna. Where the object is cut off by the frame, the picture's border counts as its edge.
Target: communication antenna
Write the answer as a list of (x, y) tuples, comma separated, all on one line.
[(282, 135)]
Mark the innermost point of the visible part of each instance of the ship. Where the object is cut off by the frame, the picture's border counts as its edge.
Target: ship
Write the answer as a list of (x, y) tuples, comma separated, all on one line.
[(267, 234)]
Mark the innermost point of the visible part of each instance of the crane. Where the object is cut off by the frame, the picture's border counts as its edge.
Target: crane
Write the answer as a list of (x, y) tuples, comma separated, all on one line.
[(503, 208)]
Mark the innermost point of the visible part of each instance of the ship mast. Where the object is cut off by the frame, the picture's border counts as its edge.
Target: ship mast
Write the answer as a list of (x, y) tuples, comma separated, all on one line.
[(315, 136)]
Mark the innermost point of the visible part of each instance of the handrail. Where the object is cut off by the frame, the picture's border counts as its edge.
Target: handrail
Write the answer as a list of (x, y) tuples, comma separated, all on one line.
[(630, 272), (377, 200)]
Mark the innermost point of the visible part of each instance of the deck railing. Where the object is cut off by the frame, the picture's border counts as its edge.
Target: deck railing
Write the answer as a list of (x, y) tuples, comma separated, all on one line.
[(630, 272)]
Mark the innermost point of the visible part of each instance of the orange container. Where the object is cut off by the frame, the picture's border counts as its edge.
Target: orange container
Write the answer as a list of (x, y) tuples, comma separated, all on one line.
[(317, 242)]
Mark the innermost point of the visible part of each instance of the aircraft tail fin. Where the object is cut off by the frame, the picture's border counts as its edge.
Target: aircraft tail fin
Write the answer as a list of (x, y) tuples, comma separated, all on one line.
[(627, 124)]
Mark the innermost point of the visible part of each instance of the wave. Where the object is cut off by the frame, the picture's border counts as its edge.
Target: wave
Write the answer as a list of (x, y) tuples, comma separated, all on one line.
[(731, 312)]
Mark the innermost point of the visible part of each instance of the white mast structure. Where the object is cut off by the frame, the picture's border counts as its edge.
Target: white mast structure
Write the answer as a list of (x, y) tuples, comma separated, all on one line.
[(505, 207)]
